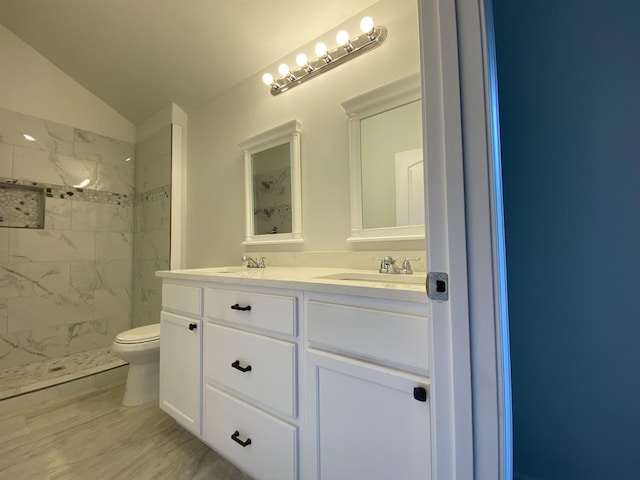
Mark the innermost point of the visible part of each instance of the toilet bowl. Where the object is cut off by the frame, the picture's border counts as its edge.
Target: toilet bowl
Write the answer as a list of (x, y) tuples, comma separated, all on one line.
[(140, 347)]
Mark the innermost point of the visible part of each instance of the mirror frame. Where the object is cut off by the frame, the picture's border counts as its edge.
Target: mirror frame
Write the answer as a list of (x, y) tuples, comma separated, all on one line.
[(289, 132), (387, 97)]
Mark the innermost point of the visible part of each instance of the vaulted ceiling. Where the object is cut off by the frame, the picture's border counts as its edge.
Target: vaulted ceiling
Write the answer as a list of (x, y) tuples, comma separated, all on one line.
[(140, 55)]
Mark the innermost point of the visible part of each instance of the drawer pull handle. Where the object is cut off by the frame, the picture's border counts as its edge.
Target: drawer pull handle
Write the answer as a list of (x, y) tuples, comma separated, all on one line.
[(235, 438), (420, 394), (237, 366), (242, 309), (193, 326)]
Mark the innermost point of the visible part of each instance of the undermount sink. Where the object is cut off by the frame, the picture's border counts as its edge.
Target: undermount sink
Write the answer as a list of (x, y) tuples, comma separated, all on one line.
[(377, 278), (243, 269)]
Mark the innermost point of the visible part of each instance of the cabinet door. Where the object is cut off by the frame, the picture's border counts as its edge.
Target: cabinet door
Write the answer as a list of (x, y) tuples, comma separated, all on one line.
[(180, 367), (368, 423)]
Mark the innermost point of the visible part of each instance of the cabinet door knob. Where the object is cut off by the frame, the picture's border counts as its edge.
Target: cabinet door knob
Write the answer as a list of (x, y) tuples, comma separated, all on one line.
[(193, 326), (237, 366), (242, 309), (420, 394), (234, 437)]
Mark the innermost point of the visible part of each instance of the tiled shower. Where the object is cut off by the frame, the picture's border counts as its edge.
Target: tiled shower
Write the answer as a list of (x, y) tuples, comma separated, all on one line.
[(84, 224)]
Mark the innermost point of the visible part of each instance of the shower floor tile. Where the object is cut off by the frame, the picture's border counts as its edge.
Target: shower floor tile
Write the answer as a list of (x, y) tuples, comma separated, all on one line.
[(38, 375)]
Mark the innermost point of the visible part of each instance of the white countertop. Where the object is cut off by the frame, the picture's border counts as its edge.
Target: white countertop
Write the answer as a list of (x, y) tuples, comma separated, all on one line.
[(367, 283)]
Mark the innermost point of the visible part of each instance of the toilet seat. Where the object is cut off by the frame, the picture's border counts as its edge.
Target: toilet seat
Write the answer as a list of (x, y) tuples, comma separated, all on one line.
[(145, 334)]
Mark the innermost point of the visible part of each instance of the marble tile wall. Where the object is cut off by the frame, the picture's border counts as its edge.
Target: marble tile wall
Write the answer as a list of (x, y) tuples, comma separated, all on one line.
[(152, 224), (65, 288)]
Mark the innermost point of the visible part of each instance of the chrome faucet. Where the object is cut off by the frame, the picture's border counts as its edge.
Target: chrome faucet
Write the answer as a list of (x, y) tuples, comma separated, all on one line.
[(388, 265), (406, 266), (252, 263)]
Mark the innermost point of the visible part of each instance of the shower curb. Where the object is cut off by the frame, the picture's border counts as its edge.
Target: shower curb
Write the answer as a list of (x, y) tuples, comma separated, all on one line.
[(62, 387)]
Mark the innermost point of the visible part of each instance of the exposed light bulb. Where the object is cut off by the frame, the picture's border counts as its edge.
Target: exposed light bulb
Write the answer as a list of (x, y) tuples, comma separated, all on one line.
[(283, 69), (321, 49), (366, 25), (28, 137), (342, 38), (267, 79), (301, 60), (128, 159)]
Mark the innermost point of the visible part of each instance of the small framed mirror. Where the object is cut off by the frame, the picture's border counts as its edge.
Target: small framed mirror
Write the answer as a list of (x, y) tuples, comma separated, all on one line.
[(272, 186), (386, 162)]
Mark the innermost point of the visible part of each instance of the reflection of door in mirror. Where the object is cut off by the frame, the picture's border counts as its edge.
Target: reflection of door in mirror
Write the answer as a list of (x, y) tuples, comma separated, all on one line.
[(272, 190), (382, 137), (409, 188)]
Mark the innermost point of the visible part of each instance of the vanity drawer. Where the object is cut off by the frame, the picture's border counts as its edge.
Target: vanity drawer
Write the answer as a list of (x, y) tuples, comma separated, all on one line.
[(396, 339), (258, 367), (272, 451), (182, 298), (276, 313)]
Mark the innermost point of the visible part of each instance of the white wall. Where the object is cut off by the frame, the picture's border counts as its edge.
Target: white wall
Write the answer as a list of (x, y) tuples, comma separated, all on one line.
[(215, 198), (32, 85)]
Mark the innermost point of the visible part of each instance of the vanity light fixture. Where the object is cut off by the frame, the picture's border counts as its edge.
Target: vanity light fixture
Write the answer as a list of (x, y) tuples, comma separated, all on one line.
[(347, 48)]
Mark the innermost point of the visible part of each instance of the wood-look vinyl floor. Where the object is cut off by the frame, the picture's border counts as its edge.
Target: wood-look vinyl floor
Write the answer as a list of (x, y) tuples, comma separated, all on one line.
[(91, 436)]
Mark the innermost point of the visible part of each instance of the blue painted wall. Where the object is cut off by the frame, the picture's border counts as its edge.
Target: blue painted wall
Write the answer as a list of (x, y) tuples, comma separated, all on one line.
[(569, 93)]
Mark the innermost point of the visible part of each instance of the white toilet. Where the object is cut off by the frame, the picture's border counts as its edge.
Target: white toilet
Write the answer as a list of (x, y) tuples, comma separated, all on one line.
[(140, 347)]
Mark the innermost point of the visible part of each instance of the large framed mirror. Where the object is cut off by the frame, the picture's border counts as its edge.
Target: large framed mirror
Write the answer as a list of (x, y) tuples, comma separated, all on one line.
[(273, 186), (386, 162)]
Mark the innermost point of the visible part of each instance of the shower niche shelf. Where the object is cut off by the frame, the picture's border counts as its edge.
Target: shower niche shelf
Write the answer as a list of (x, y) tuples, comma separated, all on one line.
[(21, 206)]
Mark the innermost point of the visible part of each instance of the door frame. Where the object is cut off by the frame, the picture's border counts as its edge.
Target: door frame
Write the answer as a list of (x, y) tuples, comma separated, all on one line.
[(466, 240), (451, 432)]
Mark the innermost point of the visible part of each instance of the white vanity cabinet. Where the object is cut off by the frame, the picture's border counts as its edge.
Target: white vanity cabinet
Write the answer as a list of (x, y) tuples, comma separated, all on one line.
[(180, 359), (368, 390), (250, 398), (300, 375)]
